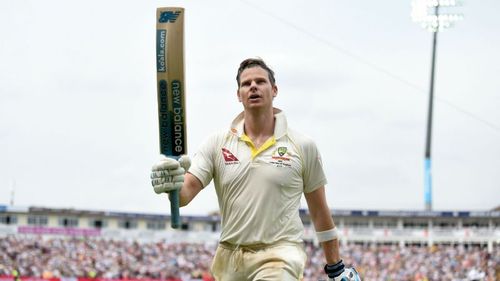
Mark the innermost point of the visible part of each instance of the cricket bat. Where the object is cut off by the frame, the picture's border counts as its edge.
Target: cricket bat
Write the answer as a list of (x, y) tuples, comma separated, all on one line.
[(170, 90)]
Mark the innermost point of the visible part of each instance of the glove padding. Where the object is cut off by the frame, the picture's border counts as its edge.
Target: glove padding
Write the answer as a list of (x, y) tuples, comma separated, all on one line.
[(349, 274), (168, 174), (338, 272)]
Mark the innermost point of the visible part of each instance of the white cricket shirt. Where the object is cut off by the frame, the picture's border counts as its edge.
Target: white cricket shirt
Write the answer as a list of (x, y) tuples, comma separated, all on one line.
[(259, 190)]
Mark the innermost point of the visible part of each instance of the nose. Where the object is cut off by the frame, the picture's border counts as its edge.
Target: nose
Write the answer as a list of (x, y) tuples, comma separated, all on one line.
[(253, 85)]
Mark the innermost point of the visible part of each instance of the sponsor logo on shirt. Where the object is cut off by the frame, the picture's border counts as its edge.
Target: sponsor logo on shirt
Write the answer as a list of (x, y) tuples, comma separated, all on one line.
[(280, 157), (229, 157)]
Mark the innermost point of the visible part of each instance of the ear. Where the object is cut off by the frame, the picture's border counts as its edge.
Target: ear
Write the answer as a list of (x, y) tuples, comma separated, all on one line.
[(238, 95), (275, 91)]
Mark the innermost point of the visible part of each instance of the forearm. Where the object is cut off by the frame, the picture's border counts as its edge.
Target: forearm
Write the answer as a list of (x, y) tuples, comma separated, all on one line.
[(331, 247), (191, 187), (323, 221), (185, 196), (331, 251), (328, 237)]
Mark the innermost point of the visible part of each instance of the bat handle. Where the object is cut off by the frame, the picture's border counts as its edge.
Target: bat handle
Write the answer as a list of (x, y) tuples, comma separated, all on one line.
[(173, 196), (175, 218)]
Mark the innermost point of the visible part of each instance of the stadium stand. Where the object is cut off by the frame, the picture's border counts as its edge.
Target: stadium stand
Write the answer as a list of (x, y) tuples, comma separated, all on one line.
[(39, 244)]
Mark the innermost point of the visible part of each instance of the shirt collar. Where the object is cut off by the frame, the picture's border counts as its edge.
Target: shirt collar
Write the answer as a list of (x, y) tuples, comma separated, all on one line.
[(280, 125)]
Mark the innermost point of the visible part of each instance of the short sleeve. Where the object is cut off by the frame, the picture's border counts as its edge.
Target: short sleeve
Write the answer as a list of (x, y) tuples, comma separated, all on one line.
[(313, 173), (202, 166)]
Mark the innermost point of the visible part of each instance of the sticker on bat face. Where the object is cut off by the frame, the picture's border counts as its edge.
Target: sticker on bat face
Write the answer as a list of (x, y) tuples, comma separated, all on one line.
[(169, 16)]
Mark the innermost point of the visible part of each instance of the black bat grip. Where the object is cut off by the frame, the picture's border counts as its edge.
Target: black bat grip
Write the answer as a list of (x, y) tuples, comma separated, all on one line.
[(173, 196), (175, 219)]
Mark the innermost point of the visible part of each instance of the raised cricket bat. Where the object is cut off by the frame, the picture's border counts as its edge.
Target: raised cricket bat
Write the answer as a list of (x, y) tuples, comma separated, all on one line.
[(170, 90)]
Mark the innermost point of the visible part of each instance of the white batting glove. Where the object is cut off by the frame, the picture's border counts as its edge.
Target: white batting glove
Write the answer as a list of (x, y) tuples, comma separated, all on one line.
[(349, 274), (168, 174), (338, 272)]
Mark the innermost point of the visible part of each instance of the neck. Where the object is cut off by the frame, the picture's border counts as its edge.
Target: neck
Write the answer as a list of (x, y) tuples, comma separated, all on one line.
[(259, 125)]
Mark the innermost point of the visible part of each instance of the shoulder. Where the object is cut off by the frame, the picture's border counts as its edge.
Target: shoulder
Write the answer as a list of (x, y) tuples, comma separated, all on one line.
[(304, 145), (217, 138), (219, 135), (300, 139)]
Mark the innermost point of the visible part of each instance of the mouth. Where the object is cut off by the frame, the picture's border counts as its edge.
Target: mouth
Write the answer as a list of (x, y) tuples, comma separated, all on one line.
[(254, 97)]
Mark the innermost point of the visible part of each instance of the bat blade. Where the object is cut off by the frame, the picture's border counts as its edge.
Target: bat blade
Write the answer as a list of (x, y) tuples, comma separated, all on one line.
[(170, 90)]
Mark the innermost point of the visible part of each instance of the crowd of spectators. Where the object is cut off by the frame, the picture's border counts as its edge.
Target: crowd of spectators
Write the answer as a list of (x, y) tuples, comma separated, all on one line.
[(43, 257), (414, 263)]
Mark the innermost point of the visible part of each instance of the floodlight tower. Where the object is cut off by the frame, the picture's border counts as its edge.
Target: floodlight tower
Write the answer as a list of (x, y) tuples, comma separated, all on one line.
[(12, 192), (427, 13)]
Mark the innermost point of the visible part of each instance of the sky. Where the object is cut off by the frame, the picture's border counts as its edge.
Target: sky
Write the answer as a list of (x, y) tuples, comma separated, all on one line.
[(78, 111)]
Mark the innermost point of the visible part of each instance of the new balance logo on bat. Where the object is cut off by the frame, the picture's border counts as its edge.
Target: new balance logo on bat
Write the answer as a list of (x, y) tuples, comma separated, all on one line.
[(169, 16)]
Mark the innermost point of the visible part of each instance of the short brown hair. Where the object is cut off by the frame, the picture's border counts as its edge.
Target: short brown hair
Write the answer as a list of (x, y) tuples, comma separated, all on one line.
[(253, 62)]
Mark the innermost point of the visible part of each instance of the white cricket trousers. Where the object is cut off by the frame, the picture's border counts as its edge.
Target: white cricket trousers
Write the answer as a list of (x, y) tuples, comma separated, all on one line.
[(284, 261)]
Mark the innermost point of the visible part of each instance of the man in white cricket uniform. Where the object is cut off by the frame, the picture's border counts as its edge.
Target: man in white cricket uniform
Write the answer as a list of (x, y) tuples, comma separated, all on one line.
[(259, 189), (260, 169)]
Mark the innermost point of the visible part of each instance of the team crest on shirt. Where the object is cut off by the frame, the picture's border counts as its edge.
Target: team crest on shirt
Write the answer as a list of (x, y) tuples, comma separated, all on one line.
[(281, 153), (281, 157), (229, 158)]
